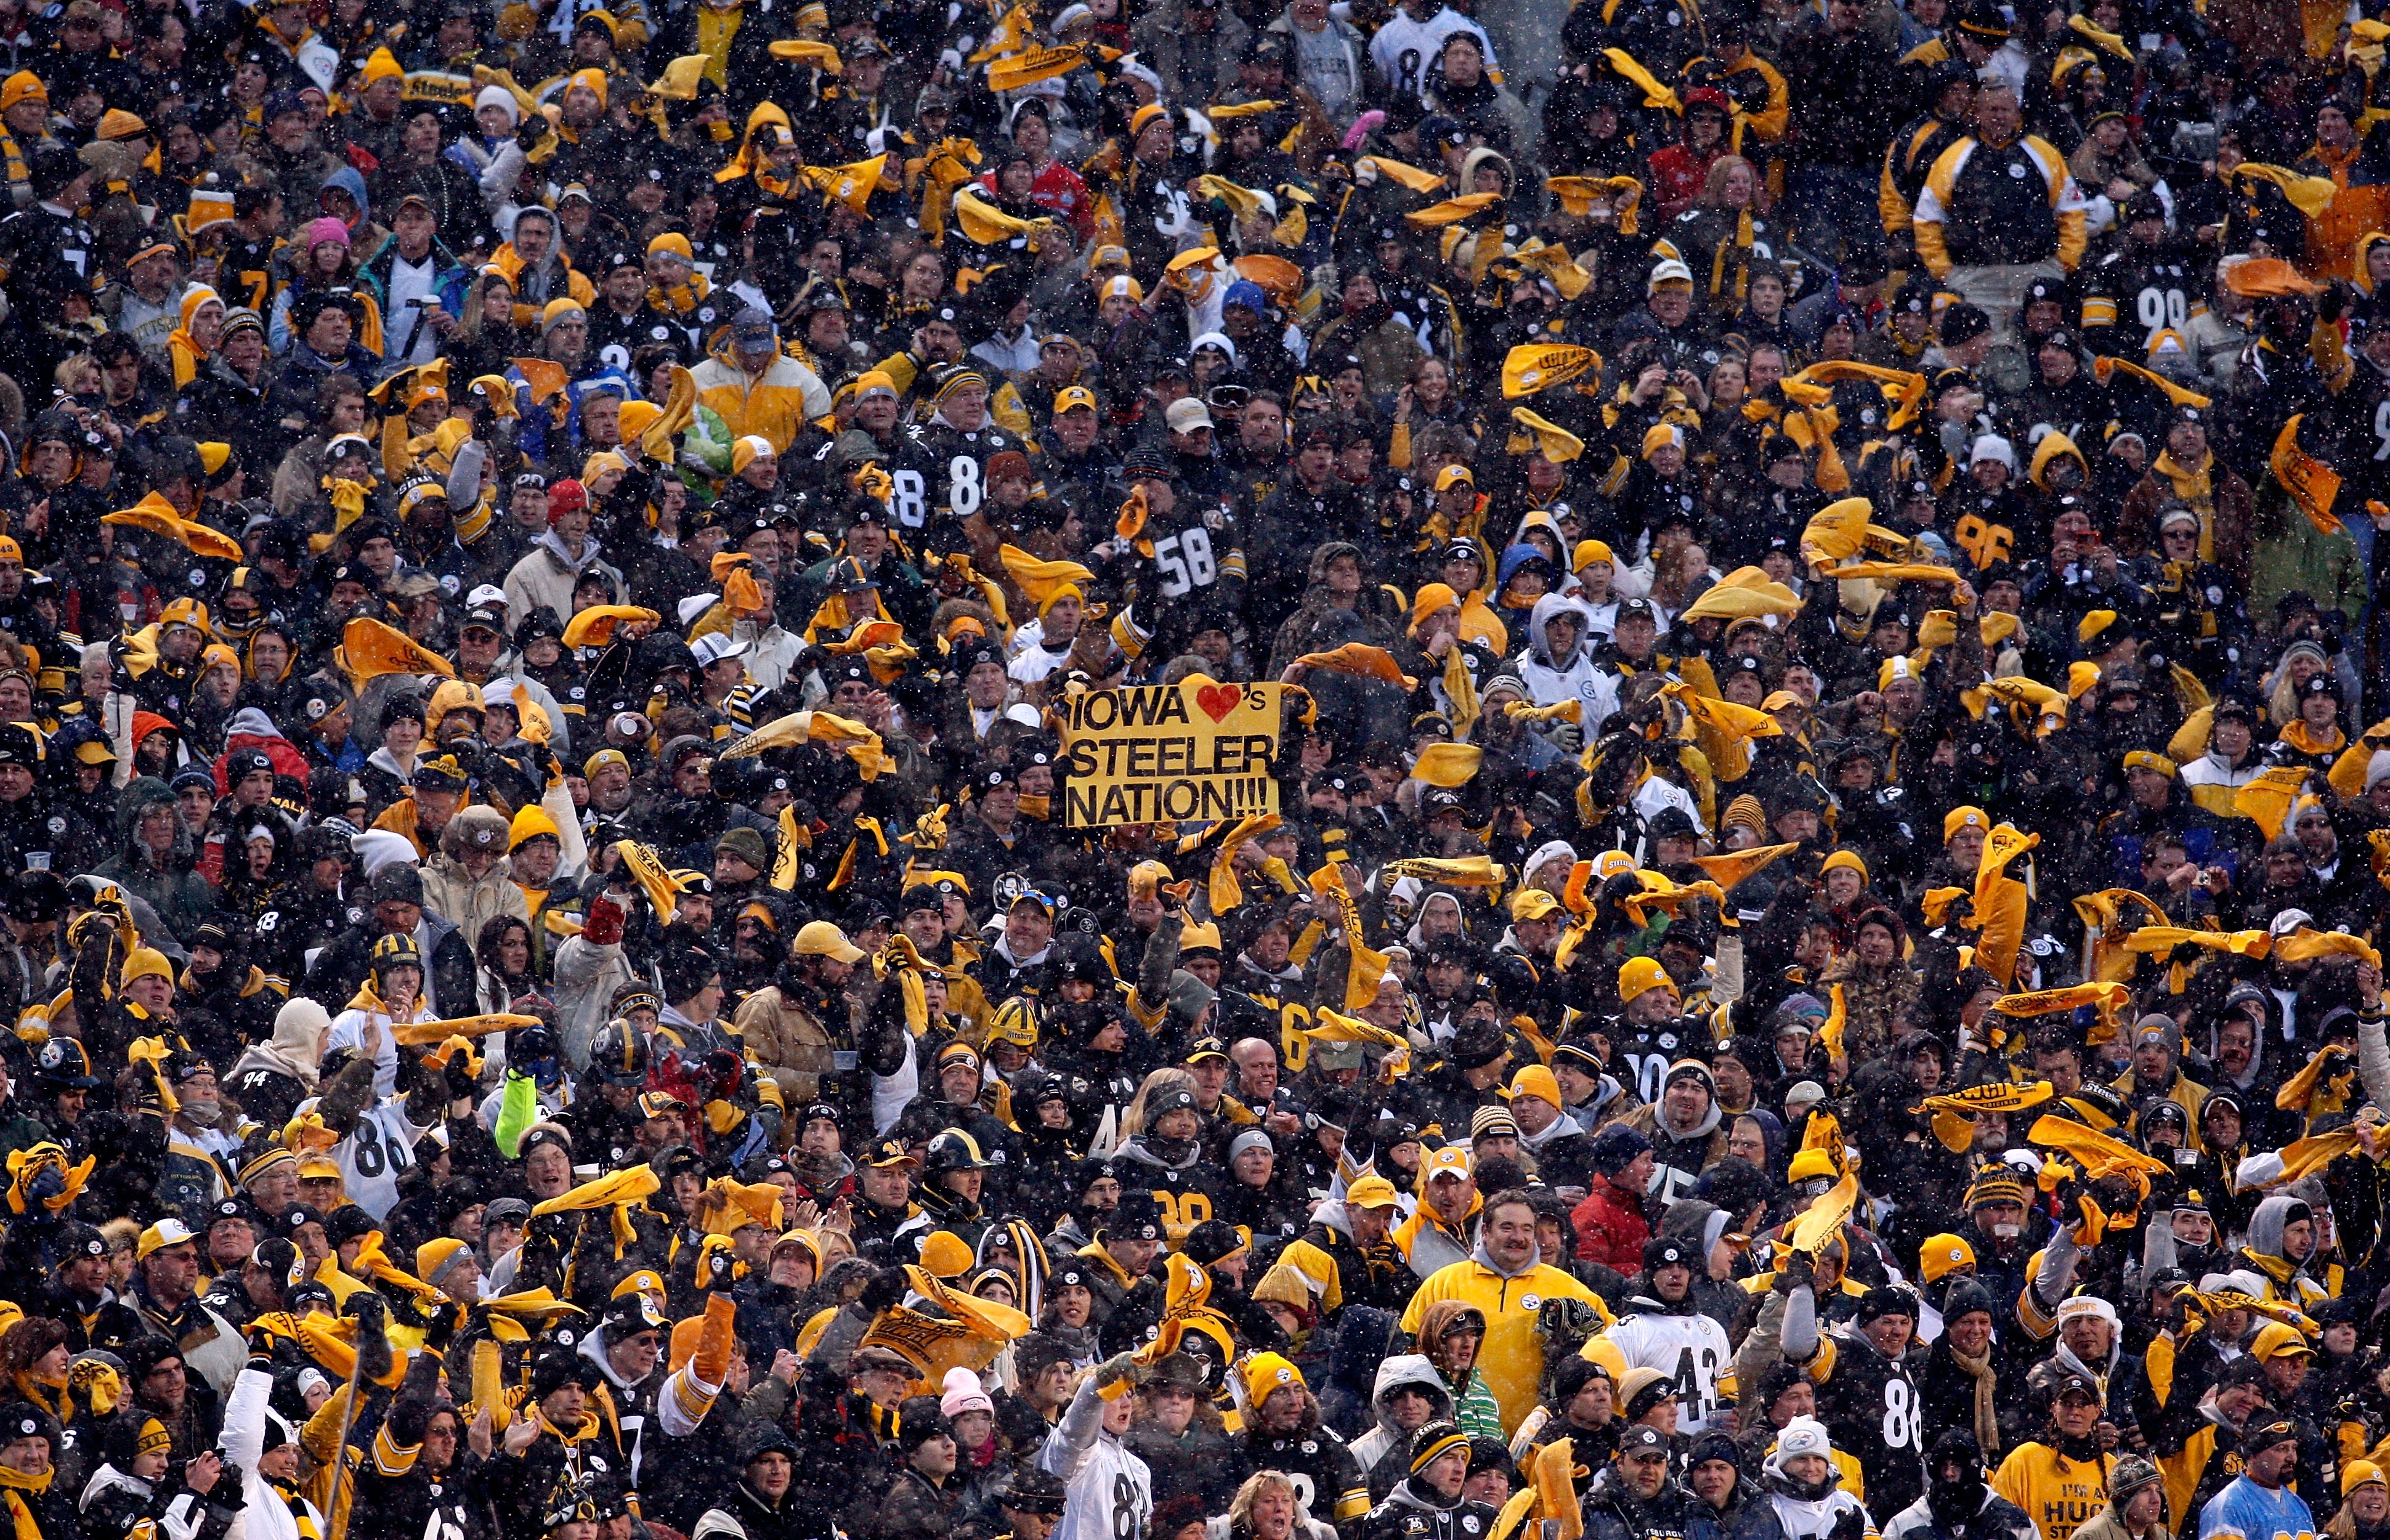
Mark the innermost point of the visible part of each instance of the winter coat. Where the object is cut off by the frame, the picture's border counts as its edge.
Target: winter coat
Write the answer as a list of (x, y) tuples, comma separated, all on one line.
[(774, 404), (179, 894), (787, 1039), (549, 574), (1384, 1438), (458, 898)]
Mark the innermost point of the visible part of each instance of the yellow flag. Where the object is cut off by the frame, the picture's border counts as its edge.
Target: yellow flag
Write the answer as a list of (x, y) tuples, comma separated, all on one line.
[(2312, 484), (1823, 1219), (1838, 531), (413, 1035), (2097, 1153), (1038, 64), (2000, 902), (1732, 866), (1837, 1023), (1654, 93), (2268, 799), (1362, 660), (1531, 367), (1447, 764), (2048, 1002), (1452, 209), (1896, 572), (1724, 716), (2104, 369), (1412, 177), (1558, 444), (986, 224), (2305, 946), (2159, 939)]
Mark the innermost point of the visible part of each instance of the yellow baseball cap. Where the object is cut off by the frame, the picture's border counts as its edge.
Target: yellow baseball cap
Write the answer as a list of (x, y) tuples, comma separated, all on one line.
[(1370, 1192), (1451, 1161), (1533, 903), (158, 1236), (821, 938)]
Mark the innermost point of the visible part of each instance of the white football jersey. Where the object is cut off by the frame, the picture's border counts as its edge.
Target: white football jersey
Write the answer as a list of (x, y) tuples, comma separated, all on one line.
[(1692, 1350)]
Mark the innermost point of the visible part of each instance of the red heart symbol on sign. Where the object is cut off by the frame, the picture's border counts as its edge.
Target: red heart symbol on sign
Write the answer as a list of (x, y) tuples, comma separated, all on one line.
[(1218, 701)]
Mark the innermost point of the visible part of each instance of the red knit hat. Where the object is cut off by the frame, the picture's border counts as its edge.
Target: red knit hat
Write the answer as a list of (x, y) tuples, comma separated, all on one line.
[(564, 497)]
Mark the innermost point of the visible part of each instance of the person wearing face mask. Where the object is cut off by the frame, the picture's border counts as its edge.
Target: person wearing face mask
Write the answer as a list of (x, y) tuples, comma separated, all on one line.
[(1168, 1158), (2001, 1229), (1959, 1504), (193, 1178)]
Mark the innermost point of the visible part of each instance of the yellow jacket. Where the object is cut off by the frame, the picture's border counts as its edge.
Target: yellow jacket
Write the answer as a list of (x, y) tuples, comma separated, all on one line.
[(2059, 1495), (774, 404), (1513, 1357)]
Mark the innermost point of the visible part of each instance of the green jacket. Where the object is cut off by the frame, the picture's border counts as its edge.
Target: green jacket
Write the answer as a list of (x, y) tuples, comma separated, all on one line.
[(2291, 554)]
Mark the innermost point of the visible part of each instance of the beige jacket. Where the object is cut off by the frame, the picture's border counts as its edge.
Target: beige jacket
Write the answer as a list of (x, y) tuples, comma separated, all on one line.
[(788, 1041)]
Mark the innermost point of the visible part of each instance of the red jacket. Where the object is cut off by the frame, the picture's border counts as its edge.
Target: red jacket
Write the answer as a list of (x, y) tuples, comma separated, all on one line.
[(1610, 1228), (286, 756)]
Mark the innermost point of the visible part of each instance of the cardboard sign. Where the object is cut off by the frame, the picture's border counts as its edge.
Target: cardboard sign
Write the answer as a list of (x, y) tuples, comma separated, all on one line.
[(1195, 751)]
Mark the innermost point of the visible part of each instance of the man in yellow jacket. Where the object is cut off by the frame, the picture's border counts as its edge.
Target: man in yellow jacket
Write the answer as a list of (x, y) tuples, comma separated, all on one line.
[(754, 388), (1506, 1283)]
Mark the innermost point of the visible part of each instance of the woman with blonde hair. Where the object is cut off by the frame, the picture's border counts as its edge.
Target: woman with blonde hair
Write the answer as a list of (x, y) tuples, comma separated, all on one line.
[(1266, 1508), (1723, 232)]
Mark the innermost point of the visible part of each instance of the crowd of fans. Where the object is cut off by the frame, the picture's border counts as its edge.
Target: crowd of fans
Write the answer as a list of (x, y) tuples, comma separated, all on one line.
[(1809, 569)]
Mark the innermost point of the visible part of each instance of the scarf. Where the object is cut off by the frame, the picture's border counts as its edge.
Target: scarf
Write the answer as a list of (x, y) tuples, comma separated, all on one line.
[(188, 355), (2195, 486), (14, 1485), (1739, 246), (295, 1500), (1462, 689), (681, 299), (48, 1394), (2299, 735)]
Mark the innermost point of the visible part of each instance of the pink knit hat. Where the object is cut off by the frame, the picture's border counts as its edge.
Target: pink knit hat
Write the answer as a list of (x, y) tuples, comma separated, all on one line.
[(964, 1394), (326, 228)]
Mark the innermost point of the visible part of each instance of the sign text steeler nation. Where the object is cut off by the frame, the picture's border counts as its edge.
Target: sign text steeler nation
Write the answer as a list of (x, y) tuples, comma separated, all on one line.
[(1194, 751)]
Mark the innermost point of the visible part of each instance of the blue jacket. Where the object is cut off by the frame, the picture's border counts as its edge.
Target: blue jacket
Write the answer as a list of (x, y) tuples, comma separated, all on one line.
[(2246, 1512)]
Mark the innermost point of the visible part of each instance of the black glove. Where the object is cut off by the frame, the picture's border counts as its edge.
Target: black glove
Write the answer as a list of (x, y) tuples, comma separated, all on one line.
[(533, 130), (1850, 1526), (885, 1291), (367, 1306), (459, 1073), (48, 1184), (721, 1270), (1799, 1271), (440, 1329), (2331, 302)]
